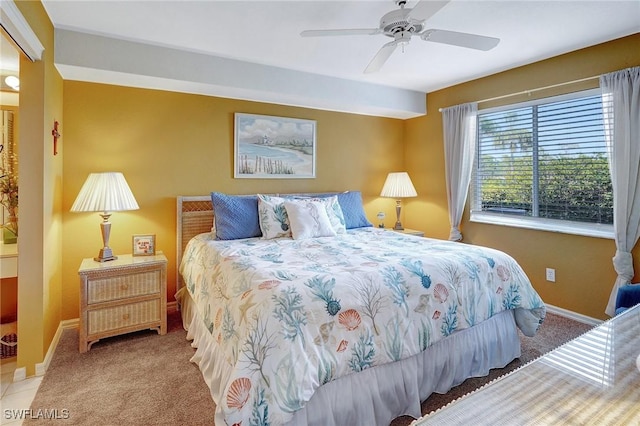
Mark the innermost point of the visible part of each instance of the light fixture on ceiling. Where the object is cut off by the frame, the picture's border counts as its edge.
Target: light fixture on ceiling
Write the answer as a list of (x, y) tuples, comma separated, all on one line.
[(13, 82)]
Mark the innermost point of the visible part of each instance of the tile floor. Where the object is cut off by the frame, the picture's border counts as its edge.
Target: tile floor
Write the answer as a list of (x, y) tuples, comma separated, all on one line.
[(15, 397)]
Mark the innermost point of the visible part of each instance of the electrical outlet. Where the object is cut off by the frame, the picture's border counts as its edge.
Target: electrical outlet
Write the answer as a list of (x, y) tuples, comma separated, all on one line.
[(551, 275)]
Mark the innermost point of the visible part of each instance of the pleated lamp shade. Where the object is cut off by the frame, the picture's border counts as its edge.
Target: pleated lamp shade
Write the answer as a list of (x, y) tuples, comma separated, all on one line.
[(398, 185), (105, 192)]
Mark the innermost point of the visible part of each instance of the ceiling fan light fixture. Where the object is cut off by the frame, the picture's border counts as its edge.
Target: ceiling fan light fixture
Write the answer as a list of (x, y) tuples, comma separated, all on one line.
[(404, 23), (403, 37)]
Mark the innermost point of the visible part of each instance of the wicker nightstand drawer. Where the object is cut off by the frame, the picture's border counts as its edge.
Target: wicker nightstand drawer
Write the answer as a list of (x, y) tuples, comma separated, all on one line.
[(120, 296), (100, 320), (122, 287)]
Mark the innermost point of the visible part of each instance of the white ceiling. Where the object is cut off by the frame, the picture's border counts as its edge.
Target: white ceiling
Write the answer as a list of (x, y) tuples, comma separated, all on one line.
[(268, 33)]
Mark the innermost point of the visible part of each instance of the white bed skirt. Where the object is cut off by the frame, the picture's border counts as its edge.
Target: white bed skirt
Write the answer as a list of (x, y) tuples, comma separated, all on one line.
[(379, 394)]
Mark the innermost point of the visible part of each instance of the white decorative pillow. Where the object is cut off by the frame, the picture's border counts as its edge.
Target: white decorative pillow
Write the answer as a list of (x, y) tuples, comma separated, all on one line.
[(308, 219), (272, 215), (334, 212)]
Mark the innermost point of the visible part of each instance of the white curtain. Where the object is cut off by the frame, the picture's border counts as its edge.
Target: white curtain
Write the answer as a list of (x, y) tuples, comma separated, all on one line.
[(621, 109), (459, 125)]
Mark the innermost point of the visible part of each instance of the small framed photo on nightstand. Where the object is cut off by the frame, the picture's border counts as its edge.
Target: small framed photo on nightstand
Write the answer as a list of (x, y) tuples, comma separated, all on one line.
[(144, 245)]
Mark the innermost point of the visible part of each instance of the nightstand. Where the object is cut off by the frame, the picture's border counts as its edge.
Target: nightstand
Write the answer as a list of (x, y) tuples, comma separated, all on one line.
[(409, 232), (120, 296)]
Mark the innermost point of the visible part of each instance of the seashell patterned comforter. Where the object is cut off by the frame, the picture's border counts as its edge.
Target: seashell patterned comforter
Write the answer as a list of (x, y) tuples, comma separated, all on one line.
[(290, 315)]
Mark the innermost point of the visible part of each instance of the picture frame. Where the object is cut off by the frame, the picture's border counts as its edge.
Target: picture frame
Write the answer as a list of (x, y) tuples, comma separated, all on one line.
[(269, 147), (143, 245)]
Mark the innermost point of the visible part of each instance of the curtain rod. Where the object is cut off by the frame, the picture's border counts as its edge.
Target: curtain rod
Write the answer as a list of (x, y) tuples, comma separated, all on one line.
[(530, 91)]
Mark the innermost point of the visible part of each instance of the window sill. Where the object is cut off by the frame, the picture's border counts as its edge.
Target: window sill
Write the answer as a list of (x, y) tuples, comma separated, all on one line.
[(539, 224)]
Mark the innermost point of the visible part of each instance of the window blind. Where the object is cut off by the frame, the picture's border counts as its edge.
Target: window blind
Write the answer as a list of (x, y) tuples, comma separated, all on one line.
[(545, 159)]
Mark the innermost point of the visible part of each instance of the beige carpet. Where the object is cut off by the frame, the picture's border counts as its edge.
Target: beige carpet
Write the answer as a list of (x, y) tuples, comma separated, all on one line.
[(147, 379), (137, 379)]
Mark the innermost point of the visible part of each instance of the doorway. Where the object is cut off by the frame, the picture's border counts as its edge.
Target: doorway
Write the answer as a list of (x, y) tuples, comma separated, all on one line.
[(9, 105)]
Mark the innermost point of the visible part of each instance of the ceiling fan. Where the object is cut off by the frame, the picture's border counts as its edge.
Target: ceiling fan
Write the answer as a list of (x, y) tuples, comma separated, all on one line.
[(404, 23)]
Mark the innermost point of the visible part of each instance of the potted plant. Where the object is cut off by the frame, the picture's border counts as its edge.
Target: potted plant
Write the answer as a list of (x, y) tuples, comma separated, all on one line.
[(9, 199)]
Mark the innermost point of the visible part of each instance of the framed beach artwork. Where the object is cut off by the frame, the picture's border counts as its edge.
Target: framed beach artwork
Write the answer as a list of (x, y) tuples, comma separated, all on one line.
[(269, 147)]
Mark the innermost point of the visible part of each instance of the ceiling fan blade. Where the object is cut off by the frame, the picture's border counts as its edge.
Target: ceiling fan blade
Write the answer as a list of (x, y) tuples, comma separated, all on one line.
[(352, 31), (471, 41), (425, 9), (381, 57)]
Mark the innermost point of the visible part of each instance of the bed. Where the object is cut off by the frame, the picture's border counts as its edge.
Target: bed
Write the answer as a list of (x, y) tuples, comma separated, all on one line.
[(345, 324)]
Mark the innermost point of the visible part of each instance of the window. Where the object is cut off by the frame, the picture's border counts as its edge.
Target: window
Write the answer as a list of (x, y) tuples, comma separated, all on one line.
[(543, 165)]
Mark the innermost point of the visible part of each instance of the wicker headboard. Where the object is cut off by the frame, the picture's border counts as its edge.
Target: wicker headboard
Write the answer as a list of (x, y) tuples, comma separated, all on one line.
[(195, 216)]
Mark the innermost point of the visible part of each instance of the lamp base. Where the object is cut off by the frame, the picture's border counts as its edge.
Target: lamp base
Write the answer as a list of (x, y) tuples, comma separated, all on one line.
[(105, 259), (105, 255), (398, 226)]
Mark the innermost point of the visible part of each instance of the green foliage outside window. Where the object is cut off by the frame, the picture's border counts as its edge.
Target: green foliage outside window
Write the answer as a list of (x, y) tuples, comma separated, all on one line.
[(577, 189)]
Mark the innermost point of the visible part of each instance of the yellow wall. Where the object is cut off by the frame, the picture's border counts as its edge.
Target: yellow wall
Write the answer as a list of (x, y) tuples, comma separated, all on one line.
[(584, 272), (170, 144), (40, 183)]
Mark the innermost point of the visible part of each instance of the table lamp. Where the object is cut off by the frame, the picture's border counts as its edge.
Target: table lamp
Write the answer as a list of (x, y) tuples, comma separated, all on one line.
[(106, 193), (398, 185)]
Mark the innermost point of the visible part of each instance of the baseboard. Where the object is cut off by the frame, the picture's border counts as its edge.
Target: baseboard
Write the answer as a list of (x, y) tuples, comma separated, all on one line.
[(19, 374), (69, 324), (172, 307), (42, 367), (573, 315)]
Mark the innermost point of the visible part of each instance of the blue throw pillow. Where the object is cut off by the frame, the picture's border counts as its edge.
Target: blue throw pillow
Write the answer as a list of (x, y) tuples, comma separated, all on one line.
[(351, 205), (235, 216)]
